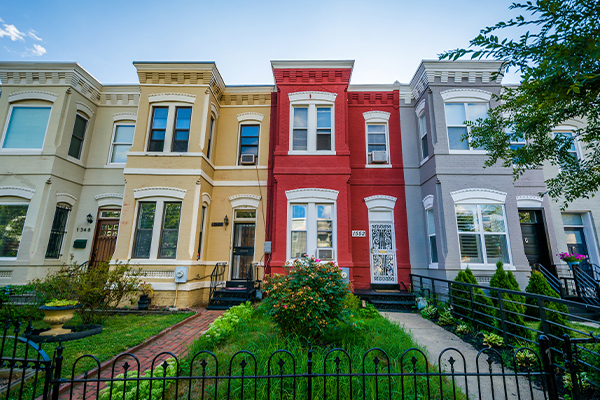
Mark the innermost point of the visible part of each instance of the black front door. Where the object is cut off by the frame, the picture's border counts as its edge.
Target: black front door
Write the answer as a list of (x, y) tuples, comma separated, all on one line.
[(243, 250), (535, 243)]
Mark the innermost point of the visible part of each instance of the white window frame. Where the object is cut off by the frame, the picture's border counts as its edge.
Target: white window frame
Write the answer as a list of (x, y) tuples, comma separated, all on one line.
[(170, 128), (312, 100), (16, 203), (428, 206), (482, 197), (311, 198), (159, 195), (471, 150), (464, 96), (239, 144), (576, 144), (87, 125), (112, 141), (587, 223), (377, 118), (7, 122)]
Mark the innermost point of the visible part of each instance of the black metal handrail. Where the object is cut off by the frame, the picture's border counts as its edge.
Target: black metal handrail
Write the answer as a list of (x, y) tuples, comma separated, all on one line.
[(217, 278), (587, 287), (553, 281)]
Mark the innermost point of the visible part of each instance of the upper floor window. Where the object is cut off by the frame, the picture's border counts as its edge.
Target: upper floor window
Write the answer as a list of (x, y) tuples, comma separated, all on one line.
[(249, 135), (121, 143), (423, 137), (456, 115), (26, 128), (377, 138), (210, 137), (78, 136), (170, 125), (574, 147), (312, 122)]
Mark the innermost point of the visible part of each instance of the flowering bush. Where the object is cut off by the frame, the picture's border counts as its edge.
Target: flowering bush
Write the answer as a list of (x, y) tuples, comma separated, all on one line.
[(146, 289), (308, 298), (568, 257)]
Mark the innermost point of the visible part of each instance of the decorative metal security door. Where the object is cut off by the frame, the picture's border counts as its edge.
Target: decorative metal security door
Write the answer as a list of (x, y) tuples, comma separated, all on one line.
[(383, 253)]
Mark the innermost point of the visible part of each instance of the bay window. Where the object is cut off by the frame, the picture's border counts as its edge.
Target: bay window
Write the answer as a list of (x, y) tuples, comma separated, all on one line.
[(312, 230), (26, 128), (456, 115), (12, 220), (157, 229), (482, 233), (171, 125)]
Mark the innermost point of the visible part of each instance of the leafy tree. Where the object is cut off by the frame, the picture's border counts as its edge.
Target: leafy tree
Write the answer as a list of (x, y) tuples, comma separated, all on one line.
[(483, 308), (559, 62)]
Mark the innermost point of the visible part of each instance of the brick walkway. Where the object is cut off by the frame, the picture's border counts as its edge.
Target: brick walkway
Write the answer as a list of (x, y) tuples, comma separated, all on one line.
[(174, 339)]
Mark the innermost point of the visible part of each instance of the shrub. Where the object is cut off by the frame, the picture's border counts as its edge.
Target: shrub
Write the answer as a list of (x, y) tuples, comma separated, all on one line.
[(513, 307), (463, 330), (539, 285), (429, 312), (461, 299), (492, 340), (308, 298), (446, 318), (369, 311), (98, 289), (25, 311)]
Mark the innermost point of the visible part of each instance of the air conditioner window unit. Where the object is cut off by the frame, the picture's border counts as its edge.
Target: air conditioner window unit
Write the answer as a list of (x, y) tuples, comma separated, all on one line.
[(247, 159), (378, 157), (325, 254)]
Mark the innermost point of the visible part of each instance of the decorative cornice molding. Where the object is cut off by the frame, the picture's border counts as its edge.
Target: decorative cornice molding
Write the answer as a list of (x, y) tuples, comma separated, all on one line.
[(380, 201), (376, 115), (312, 95), (181, 97), (109, 199), (125, 116), (478, 196), (32, 94), (66, 198), (206, 198), (250, 116), (244, 200), (81, 106), (420, 108), (529, 201), (428, 202), (159, 192), (214, 109), (17, 191), (466, 95), (315, 193), (108, 195)]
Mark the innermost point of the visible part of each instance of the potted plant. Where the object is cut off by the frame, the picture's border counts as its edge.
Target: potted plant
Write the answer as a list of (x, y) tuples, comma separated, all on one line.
[(56, 314), (147, 291), (572, 259)]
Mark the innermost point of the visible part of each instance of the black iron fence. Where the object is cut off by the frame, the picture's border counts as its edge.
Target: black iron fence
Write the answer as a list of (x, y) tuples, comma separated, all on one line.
[(29, 374), (519, 318)]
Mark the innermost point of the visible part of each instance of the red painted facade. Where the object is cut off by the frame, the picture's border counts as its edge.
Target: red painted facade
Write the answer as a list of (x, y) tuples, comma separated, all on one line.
[(344, 172)]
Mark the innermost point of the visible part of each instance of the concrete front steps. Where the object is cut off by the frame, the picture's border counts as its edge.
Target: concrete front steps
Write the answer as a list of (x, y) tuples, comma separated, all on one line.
[(388, 297)]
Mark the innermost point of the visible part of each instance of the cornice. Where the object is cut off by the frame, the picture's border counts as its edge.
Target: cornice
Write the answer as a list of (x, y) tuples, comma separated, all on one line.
[(129, 116), (244, 196), (108, 195), (182, 97), (17, 191), (32, 94), (315, 64), (312, 95), (250, 116), (81, 106), (376, 115)]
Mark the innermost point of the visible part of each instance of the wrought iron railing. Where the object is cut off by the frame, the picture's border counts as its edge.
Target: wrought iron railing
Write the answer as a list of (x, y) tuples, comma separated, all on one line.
[(217, 278)]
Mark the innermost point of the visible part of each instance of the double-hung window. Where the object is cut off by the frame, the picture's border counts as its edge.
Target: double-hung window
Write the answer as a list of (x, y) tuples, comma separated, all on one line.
[(482, 233), (78, 136), (433, 255), (312, 230), (456, 115), (157, 230), (58, 231), (312, 123), (377, 138), (572, 150), (12, 220), (121, 143), (170, 129), (210, 138), (423, 137), (249, 135), (26, 128)]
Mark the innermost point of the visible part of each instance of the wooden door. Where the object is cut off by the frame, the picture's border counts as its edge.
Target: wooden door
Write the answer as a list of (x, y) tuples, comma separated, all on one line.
[(243, 250), (105, 239)]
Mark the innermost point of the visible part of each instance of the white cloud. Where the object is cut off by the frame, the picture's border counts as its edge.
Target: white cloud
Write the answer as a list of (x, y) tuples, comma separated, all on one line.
[(32, 35), (38, 50), (12, 32)]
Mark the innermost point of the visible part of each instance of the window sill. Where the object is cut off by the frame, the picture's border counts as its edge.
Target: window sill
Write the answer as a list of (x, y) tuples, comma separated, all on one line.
[(75, 161), (115, 165), (163, 154), (24, 152), (423, 161), (7, 259), (315, 153), (433, 266), (471, 152), (486, 267), (378, 165)]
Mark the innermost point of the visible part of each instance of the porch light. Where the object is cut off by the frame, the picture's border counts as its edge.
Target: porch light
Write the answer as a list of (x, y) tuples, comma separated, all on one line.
[(226, 221), (89, 218)]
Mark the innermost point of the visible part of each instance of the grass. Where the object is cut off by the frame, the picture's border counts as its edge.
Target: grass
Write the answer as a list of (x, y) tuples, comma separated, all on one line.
[(120, 332), (260, 336)]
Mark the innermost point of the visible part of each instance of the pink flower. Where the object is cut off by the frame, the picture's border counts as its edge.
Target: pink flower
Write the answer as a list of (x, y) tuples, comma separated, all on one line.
[(317, 260), (285, 306)]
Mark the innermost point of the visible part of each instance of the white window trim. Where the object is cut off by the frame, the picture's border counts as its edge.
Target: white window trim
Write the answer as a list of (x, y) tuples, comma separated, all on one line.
[(212, 128), (311, 100), (571, 130), (119, 122), (465, 96), (7, 122), (311, 197), (248, 201), (239, 207), (15, 203), (377, 118), (63, 199), (170, 128), (427, 206), (529, 202), (378, 206), (248, 122), (157, 226), (419, 116), (588, 232)]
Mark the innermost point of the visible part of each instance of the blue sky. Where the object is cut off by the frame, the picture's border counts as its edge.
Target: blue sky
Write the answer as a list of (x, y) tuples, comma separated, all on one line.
[(387, 39)]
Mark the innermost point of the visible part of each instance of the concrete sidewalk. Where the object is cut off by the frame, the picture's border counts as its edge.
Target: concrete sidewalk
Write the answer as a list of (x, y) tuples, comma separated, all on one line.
[(436, 339)]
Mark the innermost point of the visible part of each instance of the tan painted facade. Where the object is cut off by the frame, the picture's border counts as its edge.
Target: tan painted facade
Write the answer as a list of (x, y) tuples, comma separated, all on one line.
[(195, 178)]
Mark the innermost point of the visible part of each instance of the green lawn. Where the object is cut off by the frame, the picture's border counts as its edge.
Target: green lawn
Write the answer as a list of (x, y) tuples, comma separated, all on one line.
[(120, 332)]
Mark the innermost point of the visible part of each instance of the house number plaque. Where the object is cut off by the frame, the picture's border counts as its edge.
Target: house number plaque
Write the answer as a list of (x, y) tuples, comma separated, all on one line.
[(359, 233)]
